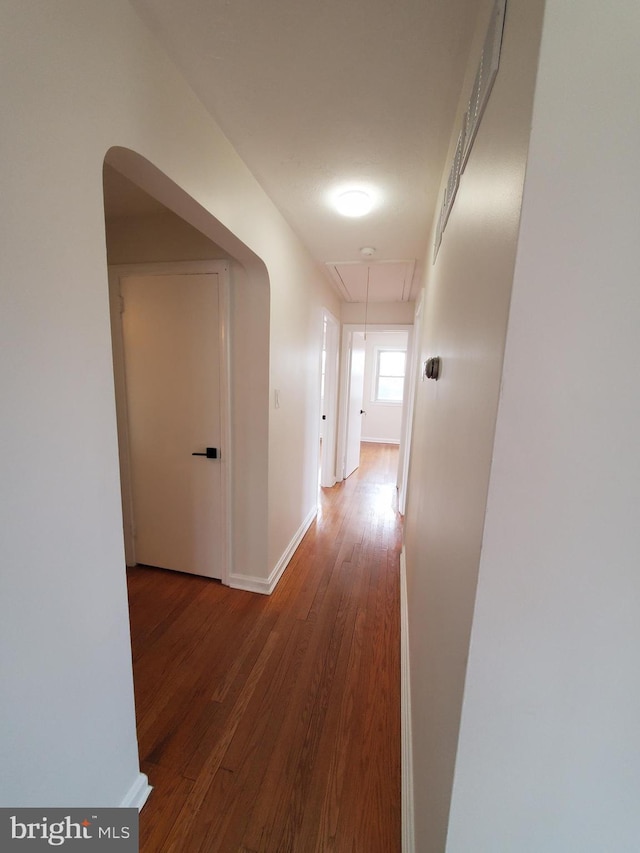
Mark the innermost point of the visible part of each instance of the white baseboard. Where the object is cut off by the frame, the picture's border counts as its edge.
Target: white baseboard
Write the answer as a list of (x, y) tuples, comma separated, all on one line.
[(408, 834), (138, 793), (265, 586), (381, 440)]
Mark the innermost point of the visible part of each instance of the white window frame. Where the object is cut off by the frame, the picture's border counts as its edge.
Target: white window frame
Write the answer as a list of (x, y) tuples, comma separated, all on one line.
[(375, 374)]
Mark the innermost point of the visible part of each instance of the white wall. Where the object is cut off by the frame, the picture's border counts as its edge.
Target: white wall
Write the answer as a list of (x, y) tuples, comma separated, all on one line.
[(81, 76), (549, 755), (296, 344), (382, 421), (465, 318)]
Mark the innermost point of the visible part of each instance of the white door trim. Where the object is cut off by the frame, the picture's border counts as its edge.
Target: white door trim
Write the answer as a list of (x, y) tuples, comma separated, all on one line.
[(328, 467), (413, 349), (116, 273)]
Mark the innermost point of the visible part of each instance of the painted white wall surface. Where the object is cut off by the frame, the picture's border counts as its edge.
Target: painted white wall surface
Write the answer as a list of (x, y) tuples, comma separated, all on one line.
[(549, 755), (79, 78), (383, 421), (377, 312), (465, 319), (296, 344)]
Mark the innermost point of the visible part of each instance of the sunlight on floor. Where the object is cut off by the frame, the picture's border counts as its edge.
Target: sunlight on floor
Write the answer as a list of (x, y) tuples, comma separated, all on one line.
[(383, 500)]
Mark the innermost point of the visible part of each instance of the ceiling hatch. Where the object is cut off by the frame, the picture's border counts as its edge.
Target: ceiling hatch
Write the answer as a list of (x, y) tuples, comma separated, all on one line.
[(389, 281)]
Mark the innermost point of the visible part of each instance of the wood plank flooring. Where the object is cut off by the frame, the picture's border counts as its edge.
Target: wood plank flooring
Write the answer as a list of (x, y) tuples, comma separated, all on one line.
[(272, 724)]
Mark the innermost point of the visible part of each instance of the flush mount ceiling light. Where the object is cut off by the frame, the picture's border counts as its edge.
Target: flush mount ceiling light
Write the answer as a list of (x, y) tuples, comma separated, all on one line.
[(353, 203)]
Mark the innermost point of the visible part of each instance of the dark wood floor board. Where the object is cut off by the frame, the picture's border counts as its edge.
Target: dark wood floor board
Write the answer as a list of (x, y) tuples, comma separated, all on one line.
[(310, 607), (186, 683), (270, 724), (253, 814), (293, 762), (275, 694), (193, 816), (371, 768), (242, 656), (170, 791), (321, 821), (318, 817), (264, 672), (248, 755), (170, 654), (301, 585), (158, 598)]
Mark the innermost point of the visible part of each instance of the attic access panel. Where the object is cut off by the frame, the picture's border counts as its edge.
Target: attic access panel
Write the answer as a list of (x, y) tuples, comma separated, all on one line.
[(388, 281)]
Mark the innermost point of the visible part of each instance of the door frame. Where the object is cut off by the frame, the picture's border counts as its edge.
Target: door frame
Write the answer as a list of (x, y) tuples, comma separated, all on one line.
[(332, 344), (349, 423), (345, 367), (413, 351), (116, 273)]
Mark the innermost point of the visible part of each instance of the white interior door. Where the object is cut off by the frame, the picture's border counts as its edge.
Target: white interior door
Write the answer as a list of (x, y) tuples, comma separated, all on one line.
[(170, 326), (354, 409)]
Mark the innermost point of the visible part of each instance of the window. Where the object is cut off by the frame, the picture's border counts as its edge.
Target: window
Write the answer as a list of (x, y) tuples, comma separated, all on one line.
[(389, 375)]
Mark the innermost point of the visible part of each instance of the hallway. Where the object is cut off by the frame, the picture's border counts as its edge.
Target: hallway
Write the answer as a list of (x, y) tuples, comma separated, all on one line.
[(272, 724)]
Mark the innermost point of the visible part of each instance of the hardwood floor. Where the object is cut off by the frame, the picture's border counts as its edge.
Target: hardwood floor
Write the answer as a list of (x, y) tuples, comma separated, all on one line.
[(272, 724)]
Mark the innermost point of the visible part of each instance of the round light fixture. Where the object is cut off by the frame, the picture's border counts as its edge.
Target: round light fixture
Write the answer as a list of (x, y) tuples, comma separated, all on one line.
[(354, 203)]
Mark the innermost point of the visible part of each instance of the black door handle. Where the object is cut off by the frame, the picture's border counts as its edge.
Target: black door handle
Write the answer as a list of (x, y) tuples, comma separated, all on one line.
[(212, 453)]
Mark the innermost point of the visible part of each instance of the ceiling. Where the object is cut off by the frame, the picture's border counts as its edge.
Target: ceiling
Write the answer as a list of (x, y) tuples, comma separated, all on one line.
[(318, 96)]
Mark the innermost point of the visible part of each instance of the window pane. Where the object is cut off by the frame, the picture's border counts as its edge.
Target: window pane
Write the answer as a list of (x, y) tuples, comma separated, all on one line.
[(390, 389), (391, 363)]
